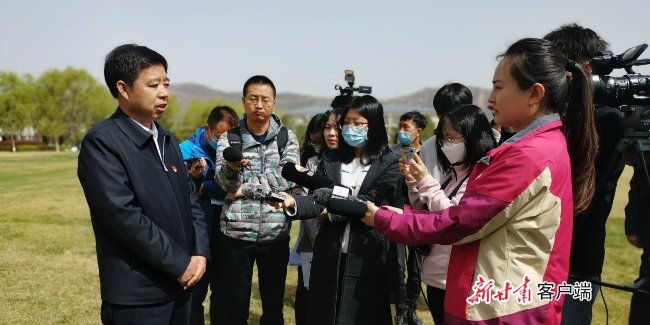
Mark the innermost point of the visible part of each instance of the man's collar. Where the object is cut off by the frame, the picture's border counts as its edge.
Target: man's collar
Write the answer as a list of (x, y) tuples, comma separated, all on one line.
[(133, 131)]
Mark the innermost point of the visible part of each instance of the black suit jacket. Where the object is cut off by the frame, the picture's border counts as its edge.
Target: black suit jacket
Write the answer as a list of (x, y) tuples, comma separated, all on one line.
[(146, 216)]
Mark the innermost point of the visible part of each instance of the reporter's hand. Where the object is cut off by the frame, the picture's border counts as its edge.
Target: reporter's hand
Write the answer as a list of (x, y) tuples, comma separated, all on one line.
[(235, 165), (288, 203), (198, 168), (323, 214), (634, 240), (417, 169), (234, 196), (369, 218), (200, 265), (404, 169)]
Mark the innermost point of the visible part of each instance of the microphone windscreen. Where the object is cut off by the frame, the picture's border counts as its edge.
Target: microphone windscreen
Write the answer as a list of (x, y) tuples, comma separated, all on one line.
[(232, 154), (345, 207), (255, 191), (307, 178), (322, 196)]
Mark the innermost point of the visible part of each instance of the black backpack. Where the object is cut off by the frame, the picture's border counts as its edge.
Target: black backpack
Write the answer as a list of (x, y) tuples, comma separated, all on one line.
[(234, 139)]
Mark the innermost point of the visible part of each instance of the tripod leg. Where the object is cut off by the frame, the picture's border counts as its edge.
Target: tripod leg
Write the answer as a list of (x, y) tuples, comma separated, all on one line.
[(643, 186)]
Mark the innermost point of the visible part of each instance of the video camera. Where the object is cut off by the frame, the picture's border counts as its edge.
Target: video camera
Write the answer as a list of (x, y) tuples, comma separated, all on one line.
[(629, 93), (349, 90)]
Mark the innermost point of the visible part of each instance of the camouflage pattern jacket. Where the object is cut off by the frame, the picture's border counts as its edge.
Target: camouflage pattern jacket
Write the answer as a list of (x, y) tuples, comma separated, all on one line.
[(254, 220)]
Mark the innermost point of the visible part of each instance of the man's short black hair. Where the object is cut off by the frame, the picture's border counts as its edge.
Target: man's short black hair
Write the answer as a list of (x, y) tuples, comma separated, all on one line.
[(223, 113), (258, 80), (576, 42), (418, 119), (450, 96), (125, 63)]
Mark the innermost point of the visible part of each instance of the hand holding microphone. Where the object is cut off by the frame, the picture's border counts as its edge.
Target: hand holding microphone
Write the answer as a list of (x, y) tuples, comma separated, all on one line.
[(287, 203), (339, 202), (234, 158)]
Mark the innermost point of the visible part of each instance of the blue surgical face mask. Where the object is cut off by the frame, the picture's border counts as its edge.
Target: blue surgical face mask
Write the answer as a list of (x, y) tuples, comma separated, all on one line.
[(355, 136), (213, 140), (404, 138)]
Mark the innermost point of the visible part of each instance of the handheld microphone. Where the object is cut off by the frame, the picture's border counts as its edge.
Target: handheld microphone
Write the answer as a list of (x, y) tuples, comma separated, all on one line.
[(232, 154), (260, 192), (304, 177), (339, 202)]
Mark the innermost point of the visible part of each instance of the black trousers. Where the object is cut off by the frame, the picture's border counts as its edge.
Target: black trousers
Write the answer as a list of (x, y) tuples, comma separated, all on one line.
[(301, 300), (166, 313), (237, 258), (211, 278), (410, 285), (436, 299)]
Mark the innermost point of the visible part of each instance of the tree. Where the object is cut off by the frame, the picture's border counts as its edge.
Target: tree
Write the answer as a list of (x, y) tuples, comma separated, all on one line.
[(69, 102), (16, 103)]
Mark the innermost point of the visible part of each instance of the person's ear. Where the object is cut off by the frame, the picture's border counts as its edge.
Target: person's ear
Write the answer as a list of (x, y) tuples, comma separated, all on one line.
[(243, 101), (418, 132), (206, 127), (536, 95), (123, 89), (587, 66)]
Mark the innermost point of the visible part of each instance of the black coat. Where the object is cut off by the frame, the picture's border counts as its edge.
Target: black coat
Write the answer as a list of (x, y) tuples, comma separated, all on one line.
[(146, 216), (370, 277)]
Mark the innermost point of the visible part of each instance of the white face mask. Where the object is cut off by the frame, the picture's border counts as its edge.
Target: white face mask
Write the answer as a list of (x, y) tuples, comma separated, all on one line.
[(455, 152)]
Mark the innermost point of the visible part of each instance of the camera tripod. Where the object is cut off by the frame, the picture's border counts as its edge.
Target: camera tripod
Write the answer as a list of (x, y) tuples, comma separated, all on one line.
[(640, 143)]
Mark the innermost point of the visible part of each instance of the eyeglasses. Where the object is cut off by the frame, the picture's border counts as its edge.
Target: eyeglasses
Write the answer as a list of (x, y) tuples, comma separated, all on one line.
[(313, 143), (355, 123), (453, 140), (266, 101)]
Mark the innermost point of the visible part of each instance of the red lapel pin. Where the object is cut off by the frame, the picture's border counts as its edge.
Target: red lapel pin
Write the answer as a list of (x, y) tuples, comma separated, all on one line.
[(175, 170)]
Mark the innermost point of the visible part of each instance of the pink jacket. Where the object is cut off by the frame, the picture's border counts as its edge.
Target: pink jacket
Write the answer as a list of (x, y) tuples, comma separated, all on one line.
[(429, 191), (513, 222)]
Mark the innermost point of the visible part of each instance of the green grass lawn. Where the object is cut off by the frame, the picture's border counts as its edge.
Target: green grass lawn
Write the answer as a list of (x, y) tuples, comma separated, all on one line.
[(48, 267)]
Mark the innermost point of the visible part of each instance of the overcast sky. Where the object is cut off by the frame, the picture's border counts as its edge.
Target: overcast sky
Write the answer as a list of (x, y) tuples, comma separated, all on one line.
[(397, 47)]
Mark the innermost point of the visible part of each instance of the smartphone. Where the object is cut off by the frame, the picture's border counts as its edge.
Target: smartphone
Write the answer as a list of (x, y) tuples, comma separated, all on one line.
[(408, 153), (191, 162)]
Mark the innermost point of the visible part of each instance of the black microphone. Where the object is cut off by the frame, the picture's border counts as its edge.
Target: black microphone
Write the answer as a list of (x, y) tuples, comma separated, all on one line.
[(260, 192), (232, 154), (341, 205), (304, 177)]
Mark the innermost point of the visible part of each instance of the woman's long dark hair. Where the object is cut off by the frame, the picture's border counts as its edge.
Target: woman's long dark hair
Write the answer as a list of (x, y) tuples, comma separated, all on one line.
[(540, 61), (469, 121), (377, 146), (316, 125)]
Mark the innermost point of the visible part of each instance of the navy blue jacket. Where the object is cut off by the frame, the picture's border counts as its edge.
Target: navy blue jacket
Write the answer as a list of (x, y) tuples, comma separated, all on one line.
[(145, 215)]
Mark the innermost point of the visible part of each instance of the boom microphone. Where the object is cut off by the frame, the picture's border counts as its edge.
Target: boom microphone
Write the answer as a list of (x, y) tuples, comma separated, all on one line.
[(305, 177), (344, 206), (232, 154)]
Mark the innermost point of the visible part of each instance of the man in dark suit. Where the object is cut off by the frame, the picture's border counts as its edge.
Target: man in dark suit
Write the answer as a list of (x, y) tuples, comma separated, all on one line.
[(150, 232)]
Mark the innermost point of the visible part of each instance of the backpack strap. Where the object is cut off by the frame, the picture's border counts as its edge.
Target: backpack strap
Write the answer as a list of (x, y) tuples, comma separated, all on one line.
[(455, 191), (283, 138), (234, 138)]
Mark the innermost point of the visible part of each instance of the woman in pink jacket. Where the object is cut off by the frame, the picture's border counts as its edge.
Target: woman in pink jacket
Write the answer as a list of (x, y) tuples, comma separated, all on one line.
[(464, 136), (511, 231)]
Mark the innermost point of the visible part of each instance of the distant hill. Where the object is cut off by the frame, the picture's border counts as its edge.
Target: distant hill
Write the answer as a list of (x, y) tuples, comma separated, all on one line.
[(188, 91), (424, 97)]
